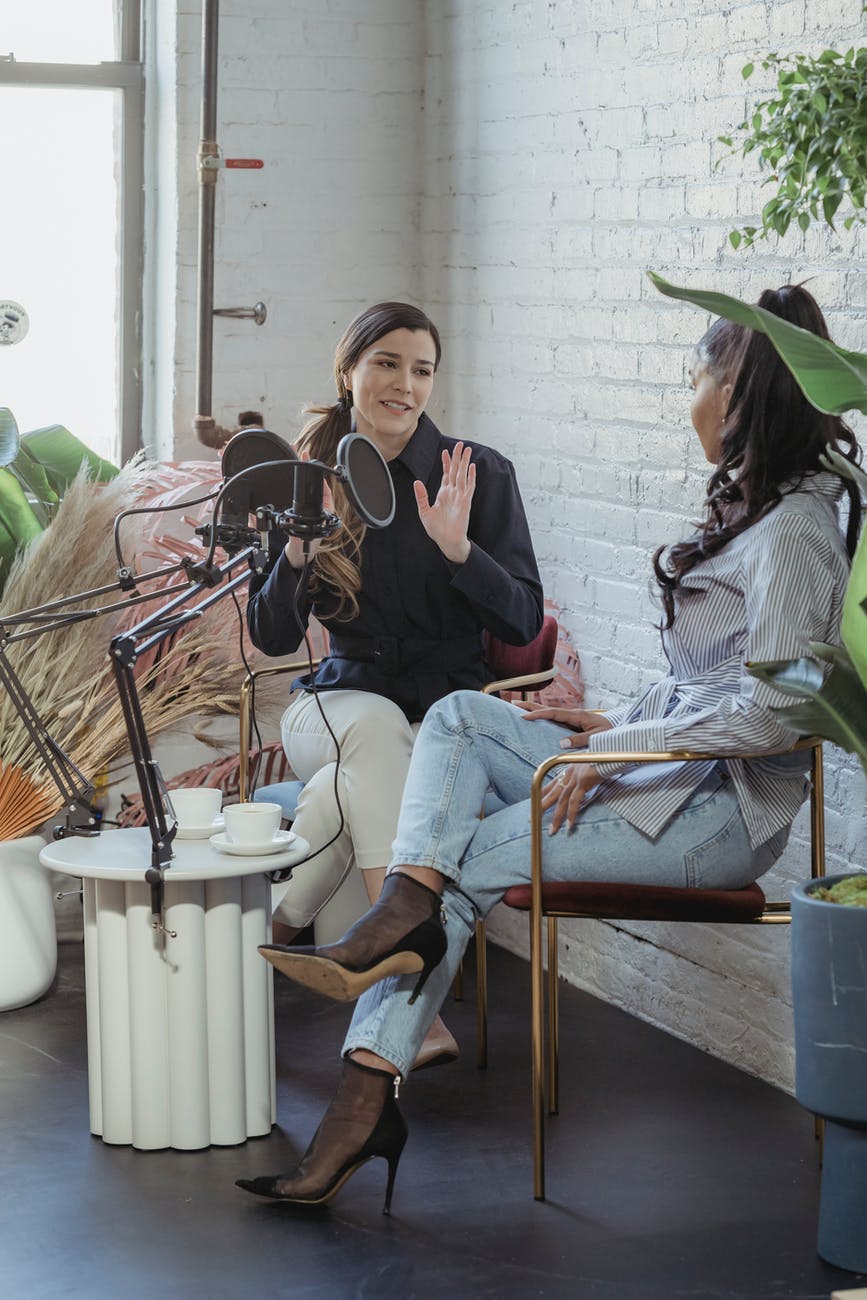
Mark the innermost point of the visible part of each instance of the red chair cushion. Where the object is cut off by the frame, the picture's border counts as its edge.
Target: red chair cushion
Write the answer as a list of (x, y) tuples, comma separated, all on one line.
[(641, 902), (519, 660)]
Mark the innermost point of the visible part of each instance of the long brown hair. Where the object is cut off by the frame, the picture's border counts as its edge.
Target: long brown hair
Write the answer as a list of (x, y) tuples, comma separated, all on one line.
[(336, 566), (771, 440)]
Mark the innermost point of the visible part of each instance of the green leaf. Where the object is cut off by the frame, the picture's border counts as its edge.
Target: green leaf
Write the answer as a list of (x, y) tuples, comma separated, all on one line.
[(835, 706), (830, 204), (34, 480), (846, 468), (10, 439), (831, 378), (854, 626), (829, 56), (18, 522), (819, 101), (747, 70), (61, 455), (735, 238), (725, 139), (804, 220)]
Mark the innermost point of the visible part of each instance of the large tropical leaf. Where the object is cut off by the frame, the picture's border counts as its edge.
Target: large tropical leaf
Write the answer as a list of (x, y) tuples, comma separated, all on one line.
[(61, 456), (10, 438), (18, 522), (832, 705), (831, 378), (854, 625)]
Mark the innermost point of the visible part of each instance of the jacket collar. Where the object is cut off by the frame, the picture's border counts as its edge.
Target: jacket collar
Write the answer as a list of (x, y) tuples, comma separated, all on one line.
[(423, 449)]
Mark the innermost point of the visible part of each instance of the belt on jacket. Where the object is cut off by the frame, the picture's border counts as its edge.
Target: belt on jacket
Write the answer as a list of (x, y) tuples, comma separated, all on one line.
[(393, 655)]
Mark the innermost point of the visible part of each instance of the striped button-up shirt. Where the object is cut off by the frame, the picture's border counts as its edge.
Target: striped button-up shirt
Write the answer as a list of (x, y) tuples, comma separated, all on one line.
[(765, 595)]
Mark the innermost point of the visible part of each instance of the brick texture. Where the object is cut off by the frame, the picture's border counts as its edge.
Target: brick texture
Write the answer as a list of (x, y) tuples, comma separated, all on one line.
[(518, 167)]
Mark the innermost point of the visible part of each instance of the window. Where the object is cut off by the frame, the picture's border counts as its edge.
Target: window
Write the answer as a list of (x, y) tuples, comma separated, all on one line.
[(71, 99)]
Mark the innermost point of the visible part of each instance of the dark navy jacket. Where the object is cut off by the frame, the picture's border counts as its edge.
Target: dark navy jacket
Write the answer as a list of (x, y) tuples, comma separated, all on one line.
[(418, 632)]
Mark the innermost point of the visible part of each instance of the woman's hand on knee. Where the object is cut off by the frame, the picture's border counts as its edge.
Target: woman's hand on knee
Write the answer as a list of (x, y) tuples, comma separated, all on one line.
[(566, 792)]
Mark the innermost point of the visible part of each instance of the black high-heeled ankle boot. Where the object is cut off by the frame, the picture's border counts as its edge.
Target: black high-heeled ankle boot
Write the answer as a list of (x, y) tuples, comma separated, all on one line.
[(402, 933), (363, 1121)]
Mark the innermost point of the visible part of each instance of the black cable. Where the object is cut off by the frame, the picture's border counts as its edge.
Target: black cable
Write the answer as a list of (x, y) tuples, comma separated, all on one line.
[(253, 777), (153, 510), (278, 876)]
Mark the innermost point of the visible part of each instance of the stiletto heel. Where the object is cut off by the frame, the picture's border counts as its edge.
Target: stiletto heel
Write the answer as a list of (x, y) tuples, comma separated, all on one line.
[(393, 1162), (362, 1122), (420, 983), (402, 934)]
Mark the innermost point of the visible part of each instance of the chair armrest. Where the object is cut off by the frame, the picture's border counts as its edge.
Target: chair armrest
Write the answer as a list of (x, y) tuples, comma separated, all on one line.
[(814, 743), (245, 712), (542, 678)]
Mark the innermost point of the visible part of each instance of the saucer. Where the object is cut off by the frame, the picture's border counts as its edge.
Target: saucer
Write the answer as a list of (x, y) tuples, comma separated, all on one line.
[(282, 840), (200, 832)]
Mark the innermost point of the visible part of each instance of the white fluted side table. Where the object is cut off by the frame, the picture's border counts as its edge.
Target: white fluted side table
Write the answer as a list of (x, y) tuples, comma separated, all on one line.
[(180, 1041)]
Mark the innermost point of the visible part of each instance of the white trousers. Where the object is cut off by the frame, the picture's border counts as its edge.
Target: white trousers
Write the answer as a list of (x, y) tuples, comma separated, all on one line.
[(375, 746)]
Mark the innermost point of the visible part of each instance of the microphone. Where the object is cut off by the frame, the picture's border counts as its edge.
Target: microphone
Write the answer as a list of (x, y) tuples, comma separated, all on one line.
[(264, 483), (288, 494)]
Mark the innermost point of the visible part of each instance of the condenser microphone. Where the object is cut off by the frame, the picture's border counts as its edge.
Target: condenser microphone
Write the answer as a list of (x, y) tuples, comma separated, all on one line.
[(263, 482), (263, 476)]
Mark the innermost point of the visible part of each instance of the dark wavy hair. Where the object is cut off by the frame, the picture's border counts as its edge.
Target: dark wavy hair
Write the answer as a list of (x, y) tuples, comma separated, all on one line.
[(771, 439), (336, 564)]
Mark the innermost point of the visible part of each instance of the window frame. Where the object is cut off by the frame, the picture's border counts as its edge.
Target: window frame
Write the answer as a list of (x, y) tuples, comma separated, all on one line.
[(127, 76)]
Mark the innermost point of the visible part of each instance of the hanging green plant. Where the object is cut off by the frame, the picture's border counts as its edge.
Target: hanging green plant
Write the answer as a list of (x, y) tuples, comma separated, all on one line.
[(812, 137)]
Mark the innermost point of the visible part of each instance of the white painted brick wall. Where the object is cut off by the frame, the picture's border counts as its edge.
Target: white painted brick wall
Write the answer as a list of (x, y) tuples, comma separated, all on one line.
[(517, 167), (329, 94), (600, 122)]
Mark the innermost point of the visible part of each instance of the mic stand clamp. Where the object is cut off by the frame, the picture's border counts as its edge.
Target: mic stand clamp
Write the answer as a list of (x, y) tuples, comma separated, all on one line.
[(236, 537), (306, 527)]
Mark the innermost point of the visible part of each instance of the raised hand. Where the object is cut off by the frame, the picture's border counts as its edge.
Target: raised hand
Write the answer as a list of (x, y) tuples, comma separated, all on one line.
[(447, 520)]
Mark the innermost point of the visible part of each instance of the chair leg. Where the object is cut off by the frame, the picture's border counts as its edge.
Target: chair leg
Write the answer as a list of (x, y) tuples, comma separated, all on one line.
[(481, 996), (553, 1023), (537, 1016)]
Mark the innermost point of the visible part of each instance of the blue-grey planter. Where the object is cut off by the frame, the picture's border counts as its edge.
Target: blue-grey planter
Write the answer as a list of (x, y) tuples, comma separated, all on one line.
[(829, 995)]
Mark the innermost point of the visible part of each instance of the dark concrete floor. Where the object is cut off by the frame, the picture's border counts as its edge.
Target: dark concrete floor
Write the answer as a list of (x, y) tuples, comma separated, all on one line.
[(670, 1174)]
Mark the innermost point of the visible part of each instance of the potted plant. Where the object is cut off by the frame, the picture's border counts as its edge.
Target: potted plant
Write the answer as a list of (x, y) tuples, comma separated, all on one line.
[(810, 135), (35, 470)]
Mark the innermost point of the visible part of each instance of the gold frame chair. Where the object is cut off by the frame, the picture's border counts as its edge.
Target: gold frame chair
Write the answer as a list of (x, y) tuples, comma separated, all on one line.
[(545, 1045)]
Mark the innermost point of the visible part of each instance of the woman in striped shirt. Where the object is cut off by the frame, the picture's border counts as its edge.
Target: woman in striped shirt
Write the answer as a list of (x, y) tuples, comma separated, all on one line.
[(764, 574)]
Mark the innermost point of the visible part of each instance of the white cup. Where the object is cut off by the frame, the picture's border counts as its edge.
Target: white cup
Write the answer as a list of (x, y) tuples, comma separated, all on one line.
[(252, 823), (196, 807)]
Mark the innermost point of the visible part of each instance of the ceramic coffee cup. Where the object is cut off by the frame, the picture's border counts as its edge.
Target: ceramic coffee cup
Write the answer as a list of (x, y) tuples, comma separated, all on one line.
[(252, 823), (196, 807)]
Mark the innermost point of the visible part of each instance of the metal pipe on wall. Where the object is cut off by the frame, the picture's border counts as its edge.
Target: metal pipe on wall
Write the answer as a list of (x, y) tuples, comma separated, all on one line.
[(203, 420)]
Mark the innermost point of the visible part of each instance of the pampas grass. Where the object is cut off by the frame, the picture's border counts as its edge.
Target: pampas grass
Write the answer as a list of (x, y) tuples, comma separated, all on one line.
[(67, 672)]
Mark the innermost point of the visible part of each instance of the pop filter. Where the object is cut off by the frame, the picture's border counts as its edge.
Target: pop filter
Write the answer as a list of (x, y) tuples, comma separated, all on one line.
[(365, 475), (273, 485)]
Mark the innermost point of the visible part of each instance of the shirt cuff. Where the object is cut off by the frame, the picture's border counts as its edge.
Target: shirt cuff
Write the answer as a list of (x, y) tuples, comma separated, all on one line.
[(480, 577), (282, 582), (647, 736)]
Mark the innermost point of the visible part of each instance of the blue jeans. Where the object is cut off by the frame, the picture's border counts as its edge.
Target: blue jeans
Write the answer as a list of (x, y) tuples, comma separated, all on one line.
[(471, 744)]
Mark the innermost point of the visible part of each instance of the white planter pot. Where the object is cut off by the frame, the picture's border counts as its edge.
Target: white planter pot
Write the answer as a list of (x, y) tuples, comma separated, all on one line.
[(28, 941)]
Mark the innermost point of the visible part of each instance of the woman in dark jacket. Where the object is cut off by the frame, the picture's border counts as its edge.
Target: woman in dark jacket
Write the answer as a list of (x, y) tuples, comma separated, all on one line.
[(405, 606)]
